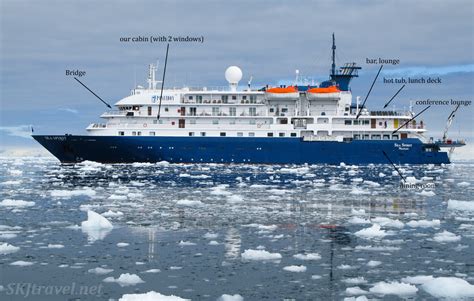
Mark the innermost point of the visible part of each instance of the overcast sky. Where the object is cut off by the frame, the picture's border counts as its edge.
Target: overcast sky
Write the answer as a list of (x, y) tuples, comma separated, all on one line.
[(267, 39)]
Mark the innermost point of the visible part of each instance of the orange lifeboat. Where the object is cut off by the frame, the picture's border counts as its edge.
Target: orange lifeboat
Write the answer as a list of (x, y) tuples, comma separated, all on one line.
[(287, 93), (328, 93)]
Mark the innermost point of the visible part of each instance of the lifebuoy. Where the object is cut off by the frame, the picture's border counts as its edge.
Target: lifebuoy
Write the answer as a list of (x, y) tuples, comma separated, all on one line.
[(145, 125)]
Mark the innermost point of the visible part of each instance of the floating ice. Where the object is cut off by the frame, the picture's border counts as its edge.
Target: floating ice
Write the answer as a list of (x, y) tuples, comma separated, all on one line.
[(424, 223), (427, 193), (226, 297), (22, 263), (235, 199), (461, 205), (96, 226), (464, 184), (345, 267), (360, 298), (417, 279), (308, 256), (125, 279), (210, 235), (446, 236), (6, 248), (188, 203), (250, 254), (295, 268), (17, 182), (388, 222), (358, 191), (356, 280), (55, 246), (118, 197), (65, 194), (111, 213), (186, 243), (16, 203), (372, 232), (150, 296), (316, 277), (393, 288), (377, 248), (152, 271), (355, 290), (100, 271), (373, 263), (213, 243), (122, 244), (357, 211), (449, 287), (358, 221)]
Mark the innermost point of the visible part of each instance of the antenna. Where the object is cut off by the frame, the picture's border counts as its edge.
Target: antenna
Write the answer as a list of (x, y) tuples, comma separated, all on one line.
[(163, 80), (333, 66), (250, 81)]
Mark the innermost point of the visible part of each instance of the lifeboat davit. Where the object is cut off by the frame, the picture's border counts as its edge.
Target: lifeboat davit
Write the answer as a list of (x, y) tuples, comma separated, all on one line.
[(284, 93), (331, 92)]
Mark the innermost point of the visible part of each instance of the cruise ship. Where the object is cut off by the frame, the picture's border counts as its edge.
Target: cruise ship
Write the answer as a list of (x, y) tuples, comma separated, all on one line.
[(296, 124)]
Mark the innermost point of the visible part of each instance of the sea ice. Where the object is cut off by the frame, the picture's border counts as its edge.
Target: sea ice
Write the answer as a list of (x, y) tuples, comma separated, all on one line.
[(111, 213), (150, 296), (394, 288), (446, 236), (22, 263), (420, 279), (226, 297), (188, 203), (461, 205), (374, 263), (125, 279), (295, 268), (427, 193), (308, 256), (100, 271), (355, 290), (210, 235), (96, 226), (186, 243), (55, 246), (356, 280), (122, 244), (152, 271), (388, 222), (16, 203), (6, 248), (250, 254), (372, 232), (449, 287), (360, 298), (65, 194), (464, 184), (424, 223)]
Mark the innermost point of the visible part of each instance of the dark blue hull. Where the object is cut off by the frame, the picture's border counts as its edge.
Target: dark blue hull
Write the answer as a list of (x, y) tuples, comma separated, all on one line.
[(126, 149)]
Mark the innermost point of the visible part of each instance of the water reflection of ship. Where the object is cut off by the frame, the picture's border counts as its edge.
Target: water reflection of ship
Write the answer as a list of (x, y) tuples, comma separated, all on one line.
[(232, 244)]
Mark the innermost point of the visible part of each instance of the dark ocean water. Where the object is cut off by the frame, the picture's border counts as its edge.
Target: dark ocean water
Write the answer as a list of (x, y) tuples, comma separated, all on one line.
[(195, 231)]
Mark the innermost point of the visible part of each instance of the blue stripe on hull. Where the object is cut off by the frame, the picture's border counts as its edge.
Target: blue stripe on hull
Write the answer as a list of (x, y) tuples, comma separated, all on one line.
[(123, 149)]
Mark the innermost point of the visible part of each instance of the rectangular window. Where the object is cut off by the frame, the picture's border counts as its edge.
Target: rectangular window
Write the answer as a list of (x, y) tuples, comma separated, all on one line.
[(203, 134), (244, 97), (232, 111), (253, 111), (215, 111), (139, 133), (281, 134), (222, 134), (269, 134), (234, 97), (395, 137), (375, 137), (356, 122), (284, 110), (152, 133), (232, 121), (134, 133), (366, 136), (166, 109), (293, 134), (251, 134), (155, 121), (190, 97), (192, 111), (160, 121), (192, 121), (356, 136), (252, 121), (121, 133), (240, 134), (347, 122), (182, 123), (149, 111), (272, 110), (386, 137), (224, 98), (191, 134), (215, 121)]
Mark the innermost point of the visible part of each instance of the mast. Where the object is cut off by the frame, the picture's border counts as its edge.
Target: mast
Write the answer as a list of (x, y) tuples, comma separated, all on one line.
[(333, 66)]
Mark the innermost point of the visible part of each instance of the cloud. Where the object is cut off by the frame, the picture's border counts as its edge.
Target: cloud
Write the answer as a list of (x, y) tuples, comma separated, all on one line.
[(69, 110), (23, 131)]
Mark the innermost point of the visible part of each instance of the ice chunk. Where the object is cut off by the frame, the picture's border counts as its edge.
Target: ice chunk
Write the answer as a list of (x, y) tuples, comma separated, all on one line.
[(355, 290), (308, 256), (22, 263), (226, 297), (16, 203), (357, 212), (111, 213), (96, 226), (6, 248), (449, 287), (65, 194), (186, 243), (417, 279), (151, 296), (100, 271), (427, 193), (424, 223), (374, 263), (55, 246), (372, 232), (394, 288), (188, 203), (360, 298), (122, 244), (152, 271), (461, 205), (464, 184), (388, 222), (446, 236), (210, 235), (250, 254), (125, 279), (118, 197), (295, 268), (358, 221), (356, 280)]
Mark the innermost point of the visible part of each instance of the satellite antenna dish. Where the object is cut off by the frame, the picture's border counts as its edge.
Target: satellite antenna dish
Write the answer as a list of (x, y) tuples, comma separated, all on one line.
[(233, 75)]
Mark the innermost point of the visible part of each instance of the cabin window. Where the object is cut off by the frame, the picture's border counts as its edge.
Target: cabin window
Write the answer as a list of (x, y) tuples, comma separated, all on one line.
[(155, 121), (136, 108), (281, 134), (251, 134), (152, 133), (232, 111), (356, 136), (240, 134), (203, 134), (134, 133), (160, 121), (222, 134), (232, 121), (149, 111), (347, 122), (395, 137), (269, 134), (121, 133), (365, 122), (190, 97), (199, 98), (215, 111), (386, 137), (244, 97), (346, 109), (252, 121), (272, 110), (139, 133), (323, 113), (366, 137), (192, 121), (293, 134), (253, 111), (234, 97), (172, 123), (356, 122), (284, 110), (215, 121), (224, 98), (192, 111), (375, 137), (166, 109), (191, 134)]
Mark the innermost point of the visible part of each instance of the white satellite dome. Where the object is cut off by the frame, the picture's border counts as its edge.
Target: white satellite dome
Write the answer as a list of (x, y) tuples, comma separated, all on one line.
[(233, 74)]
